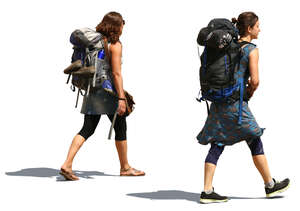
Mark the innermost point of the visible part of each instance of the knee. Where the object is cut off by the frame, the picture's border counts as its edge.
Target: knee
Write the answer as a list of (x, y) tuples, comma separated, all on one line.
[(120, 136), (86, 132), (214, 154), (120, 129), (256, 147)]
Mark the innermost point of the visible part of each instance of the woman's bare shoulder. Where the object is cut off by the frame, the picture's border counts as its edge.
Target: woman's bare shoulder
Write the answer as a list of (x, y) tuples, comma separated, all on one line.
[(116, 47), (254, 53)]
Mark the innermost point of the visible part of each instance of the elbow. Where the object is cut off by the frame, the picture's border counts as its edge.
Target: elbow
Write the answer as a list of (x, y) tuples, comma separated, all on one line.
[(116, 75), (255, 84)]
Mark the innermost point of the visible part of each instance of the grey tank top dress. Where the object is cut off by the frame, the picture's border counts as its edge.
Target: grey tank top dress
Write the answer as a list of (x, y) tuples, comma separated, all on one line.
[(99, 101)]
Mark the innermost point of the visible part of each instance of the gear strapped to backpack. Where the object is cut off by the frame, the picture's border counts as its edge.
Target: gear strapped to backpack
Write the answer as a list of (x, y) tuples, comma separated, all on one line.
[(90, 62), (220, 61)]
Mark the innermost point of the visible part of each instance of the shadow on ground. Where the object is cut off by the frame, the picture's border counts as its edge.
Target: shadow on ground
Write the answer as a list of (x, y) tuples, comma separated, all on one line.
[(49, 172), (182, 195), (274, 197), (168, 195)]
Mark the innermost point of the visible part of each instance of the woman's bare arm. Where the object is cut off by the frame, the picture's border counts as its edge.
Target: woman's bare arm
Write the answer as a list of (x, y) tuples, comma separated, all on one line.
[(253, 68), (116, 54)]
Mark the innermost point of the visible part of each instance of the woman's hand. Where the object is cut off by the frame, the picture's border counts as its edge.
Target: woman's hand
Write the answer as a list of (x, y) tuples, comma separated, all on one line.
[(249, 91), (122, 107)]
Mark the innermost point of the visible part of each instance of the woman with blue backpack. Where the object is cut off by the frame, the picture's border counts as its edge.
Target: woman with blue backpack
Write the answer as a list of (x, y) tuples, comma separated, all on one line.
[(230, 119), (98, 101)]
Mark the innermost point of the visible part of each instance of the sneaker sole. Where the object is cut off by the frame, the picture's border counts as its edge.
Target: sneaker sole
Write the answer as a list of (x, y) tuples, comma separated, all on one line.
[(208, 201), (277, 192)]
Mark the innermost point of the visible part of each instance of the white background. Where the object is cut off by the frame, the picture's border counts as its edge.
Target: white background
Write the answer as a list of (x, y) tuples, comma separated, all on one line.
[(160, 69)]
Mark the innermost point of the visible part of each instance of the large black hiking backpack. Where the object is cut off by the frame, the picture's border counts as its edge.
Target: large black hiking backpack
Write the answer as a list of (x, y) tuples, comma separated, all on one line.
[(220, 61), (88, 62)]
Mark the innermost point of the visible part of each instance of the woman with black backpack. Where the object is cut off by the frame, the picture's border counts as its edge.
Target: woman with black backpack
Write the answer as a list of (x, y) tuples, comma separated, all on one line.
[(222, 125), (100, 102)]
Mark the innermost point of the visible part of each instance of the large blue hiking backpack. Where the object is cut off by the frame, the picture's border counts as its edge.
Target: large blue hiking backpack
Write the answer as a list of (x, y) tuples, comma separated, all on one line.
[(90, 66), (220, 60)]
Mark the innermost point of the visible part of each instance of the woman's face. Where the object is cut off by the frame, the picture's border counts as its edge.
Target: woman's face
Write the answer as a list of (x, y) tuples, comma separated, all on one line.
[(254, 31)]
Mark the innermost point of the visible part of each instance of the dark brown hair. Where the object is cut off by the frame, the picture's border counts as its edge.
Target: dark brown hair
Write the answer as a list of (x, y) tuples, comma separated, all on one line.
[(245, 20), (110, 26)]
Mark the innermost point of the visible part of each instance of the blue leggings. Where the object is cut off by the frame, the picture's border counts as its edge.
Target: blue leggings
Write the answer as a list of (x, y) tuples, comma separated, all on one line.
[(215, 151)]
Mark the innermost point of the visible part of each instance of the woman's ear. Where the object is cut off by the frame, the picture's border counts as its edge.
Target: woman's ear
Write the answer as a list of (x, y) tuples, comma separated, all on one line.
[(249, 29)]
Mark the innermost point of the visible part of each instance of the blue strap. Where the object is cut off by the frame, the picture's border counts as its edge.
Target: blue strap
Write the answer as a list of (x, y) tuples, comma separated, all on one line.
[(226, 92), (241, 99), (226, 66)]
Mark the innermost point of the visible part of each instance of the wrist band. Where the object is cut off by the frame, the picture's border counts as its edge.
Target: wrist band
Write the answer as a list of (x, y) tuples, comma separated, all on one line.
[(121, 98)]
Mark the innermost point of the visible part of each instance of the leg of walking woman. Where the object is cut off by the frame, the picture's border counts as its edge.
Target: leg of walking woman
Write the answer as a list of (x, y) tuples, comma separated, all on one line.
[(209, 172), (272, 187), (121, 146), (260, 162), (120, 128), (75, 146), (210, 165), (209, 195), (259, 159), (89, 126)]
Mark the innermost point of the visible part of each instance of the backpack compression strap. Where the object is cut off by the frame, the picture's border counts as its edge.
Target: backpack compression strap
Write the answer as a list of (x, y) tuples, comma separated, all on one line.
[(203, 99), (78, 92), (241, 100)]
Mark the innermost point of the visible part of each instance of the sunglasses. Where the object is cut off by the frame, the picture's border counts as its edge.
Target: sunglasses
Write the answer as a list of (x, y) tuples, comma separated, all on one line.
[(123, 22)]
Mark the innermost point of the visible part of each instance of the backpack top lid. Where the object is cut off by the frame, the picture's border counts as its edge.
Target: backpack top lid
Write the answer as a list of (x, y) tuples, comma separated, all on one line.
[(86, 38), (218, 33)]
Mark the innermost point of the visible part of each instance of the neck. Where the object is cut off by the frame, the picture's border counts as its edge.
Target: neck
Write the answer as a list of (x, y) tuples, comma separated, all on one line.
[(246, 38)]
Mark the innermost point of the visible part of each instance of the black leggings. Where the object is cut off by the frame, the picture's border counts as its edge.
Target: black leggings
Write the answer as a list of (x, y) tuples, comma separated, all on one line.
[(91, 122)]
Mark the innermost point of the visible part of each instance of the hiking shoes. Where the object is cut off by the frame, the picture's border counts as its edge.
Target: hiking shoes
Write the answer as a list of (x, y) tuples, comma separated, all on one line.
[(213, 197), (73, 67), (278, 187), (85, 71)]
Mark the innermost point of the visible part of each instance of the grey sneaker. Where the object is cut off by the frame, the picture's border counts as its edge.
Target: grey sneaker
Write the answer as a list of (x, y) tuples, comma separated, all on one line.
[(212, 198), (279, 187)]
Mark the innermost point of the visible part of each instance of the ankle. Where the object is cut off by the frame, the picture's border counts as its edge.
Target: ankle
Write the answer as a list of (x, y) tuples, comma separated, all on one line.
[(125, 167), (208, 189), (66, 166), (270, 184)]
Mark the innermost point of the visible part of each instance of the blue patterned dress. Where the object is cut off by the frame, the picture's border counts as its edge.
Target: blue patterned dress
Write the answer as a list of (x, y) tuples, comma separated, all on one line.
[(221, 126)]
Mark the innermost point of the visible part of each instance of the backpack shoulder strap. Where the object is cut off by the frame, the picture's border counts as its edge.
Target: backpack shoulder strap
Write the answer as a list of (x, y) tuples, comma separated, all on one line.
[(247, 47), (107, 53), (243, 43)]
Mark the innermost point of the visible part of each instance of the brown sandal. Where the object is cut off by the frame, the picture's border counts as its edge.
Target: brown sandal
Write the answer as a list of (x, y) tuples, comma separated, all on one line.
[(131, 172), (68, 175)]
